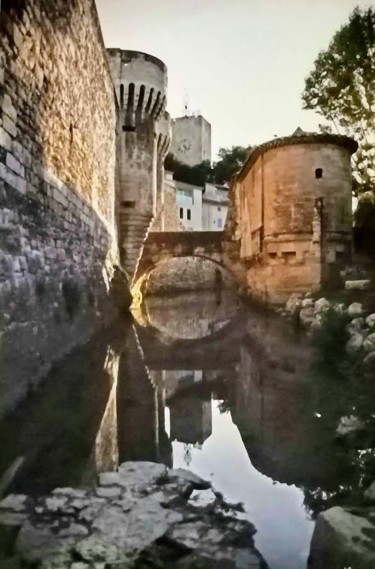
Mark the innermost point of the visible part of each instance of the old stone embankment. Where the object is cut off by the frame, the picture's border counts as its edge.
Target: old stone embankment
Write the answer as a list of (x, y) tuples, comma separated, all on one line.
[(57, 174)]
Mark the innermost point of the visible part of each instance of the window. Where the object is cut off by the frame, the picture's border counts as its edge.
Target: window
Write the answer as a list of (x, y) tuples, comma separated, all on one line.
[(189, 214), (219, 209), (319, 173), (219, 223), (128, 204), (181, 213)]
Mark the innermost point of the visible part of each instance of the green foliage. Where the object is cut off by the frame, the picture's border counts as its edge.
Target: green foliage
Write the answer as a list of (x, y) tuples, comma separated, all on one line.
[(339, 388), (231, 160), (365, 212), (330, 341), (341, 88), (196, 175)]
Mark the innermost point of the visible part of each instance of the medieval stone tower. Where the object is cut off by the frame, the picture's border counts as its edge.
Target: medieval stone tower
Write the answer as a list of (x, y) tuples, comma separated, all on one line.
[(143, 140), (292, 205)]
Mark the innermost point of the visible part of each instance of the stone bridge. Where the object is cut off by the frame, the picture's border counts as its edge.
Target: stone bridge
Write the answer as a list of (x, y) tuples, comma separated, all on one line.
[(215, 246)]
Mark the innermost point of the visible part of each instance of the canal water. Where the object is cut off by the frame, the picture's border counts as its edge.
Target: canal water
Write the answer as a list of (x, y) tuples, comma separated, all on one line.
[(198, 381)]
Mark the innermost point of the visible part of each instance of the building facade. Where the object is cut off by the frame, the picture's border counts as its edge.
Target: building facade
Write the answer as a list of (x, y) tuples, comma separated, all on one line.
[(292, 213), (189, 205), (191, 140), (215, 204)]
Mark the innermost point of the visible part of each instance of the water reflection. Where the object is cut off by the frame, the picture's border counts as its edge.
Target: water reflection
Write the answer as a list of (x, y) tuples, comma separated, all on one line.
[(218, 388)]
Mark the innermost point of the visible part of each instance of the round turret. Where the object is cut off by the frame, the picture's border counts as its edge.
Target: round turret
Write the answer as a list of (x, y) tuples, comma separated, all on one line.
[(141, 85), (164, 133)]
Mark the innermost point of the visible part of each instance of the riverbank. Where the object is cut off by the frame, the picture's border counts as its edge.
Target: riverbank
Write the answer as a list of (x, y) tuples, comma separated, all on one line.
[(143, 515)]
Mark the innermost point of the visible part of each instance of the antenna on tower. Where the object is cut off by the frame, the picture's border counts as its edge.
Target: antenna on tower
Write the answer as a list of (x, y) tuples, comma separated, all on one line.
[(186, 104)]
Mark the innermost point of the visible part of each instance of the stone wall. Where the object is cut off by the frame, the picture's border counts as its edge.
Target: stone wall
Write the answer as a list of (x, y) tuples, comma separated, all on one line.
[(167, 214), (57, 170)]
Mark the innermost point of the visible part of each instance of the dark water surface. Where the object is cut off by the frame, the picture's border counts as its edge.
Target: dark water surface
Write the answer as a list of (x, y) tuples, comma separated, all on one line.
[(198, 381)]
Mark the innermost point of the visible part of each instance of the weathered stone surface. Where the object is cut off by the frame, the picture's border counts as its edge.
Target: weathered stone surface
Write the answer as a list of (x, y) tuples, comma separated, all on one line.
[(141, 473), (343, 538), (144, 503), (14, 502), (355, 343), (369, 365), (369, 343), (294, 303), (321, 305), (356, 325), (182, 475), (370, 493), (364, 284), (307, 303), (307, 316), (57, 175), (355, 309), (370, 320)]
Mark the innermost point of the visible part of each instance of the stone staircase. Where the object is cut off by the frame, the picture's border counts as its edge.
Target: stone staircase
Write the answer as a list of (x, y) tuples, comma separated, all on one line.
[(133, 231)]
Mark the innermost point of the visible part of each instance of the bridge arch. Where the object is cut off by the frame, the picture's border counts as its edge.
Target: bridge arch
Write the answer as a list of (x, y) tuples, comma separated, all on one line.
[(161, 247)]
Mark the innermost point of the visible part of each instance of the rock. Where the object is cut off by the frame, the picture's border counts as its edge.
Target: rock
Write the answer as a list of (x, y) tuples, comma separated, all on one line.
[(355, 309), (364, 284), (14, 502), (356, 325), (342, 539), (317, 323), (355, 343), (370, 321), (369, 343), (70, 492), (108, 492), (182, 475), (369, 364), (370, 493), (307, 317), (12, 518), (293, 304), (141, 473), (43, 543), (56, 504), (321, 305), (307, 303), (95, 549), (348, 425), (202, 498), (339, 308), (127, 518)]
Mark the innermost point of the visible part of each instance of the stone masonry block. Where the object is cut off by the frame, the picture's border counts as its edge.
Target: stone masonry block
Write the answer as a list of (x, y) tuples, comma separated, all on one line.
[(15, 165), (9, 126), (9, 109)]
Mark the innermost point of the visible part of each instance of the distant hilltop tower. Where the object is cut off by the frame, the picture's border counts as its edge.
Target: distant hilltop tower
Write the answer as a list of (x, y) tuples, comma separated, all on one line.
[(191, 139), (142, 143)]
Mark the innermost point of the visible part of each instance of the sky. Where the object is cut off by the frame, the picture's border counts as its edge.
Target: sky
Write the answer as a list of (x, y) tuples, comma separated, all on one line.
[(239, 63)]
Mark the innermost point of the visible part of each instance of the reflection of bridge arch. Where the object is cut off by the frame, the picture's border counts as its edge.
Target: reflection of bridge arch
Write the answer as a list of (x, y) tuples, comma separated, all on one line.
[(163, 246)]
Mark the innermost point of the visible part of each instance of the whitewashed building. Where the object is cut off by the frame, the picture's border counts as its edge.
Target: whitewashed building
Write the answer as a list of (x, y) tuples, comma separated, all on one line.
[(215, 204), (189, 204)]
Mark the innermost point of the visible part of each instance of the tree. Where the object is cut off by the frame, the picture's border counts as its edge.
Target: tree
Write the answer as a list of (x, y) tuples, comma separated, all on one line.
[(231, 160), (341, 88), (196, 175)]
